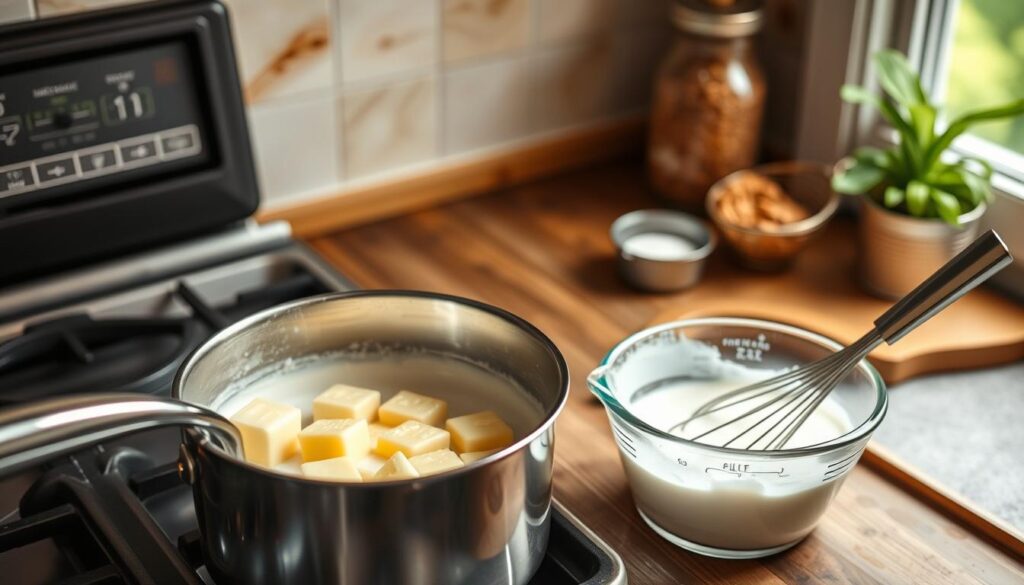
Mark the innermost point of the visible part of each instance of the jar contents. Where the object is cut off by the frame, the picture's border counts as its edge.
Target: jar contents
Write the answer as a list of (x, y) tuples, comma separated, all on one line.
[(658, 246), (754, 201), (709, 97), (720, 510)]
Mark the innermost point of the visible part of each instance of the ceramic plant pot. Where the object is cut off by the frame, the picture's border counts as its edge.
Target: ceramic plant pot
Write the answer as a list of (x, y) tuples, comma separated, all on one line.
[(897, 251)]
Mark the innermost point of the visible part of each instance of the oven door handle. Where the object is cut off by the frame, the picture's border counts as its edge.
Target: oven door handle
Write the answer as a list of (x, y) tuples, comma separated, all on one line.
[(33, 433)]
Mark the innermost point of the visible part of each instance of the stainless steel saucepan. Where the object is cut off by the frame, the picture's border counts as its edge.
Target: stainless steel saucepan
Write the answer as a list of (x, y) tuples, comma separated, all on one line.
[(485, 523)]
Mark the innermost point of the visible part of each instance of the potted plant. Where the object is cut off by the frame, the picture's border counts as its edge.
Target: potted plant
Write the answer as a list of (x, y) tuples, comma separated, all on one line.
[(920, 207)]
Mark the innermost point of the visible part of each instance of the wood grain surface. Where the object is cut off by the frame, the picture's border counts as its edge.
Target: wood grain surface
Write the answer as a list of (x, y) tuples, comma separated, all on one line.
[(821, 293), (542, 251)]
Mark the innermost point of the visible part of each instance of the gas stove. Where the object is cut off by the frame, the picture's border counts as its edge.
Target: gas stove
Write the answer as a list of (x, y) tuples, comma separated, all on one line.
[(118, 512), (126, 190)]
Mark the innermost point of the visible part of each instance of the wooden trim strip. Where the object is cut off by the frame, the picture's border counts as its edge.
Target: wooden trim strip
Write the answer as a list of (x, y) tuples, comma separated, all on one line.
[(942, 499), (365, 204)]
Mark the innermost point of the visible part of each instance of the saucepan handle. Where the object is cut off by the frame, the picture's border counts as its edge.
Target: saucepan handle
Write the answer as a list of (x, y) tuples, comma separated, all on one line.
[(35, 432)]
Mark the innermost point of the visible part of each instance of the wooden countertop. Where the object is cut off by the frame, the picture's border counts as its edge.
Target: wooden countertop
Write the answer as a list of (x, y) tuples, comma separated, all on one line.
[(542, 251)]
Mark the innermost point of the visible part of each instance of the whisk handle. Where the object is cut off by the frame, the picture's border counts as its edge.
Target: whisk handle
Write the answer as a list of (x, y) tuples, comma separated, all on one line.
[(981, 259)]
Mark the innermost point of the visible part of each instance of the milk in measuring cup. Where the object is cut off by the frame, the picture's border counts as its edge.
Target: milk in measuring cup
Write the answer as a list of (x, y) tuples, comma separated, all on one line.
[(721, 508)]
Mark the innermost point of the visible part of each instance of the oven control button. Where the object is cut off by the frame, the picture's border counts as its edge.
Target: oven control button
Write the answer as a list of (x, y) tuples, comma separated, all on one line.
[(138, 151), (178, 143), (16, 178), (97, 161), (56, 170)]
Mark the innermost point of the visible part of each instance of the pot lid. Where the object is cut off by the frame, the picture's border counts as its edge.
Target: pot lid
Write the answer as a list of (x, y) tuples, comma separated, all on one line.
[(718, 18)]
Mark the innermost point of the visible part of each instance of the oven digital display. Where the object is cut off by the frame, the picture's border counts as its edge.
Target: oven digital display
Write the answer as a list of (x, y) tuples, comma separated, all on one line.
[(98, 116)]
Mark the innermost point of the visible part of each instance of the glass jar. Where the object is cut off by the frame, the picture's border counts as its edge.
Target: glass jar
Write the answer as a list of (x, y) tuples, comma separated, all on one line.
[(708, 100)]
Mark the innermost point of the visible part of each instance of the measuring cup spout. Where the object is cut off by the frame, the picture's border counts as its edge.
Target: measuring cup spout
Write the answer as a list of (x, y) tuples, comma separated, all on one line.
[(596, 383)]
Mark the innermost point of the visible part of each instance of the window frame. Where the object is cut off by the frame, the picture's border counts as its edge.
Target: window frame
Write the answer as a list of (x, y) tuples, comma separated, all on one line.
[(923, 30)]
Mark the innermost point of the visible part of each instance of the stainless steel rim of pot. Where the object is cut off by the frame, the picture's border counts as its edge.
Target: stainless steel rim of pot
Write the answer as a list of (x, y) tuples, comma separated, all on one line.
[(35, 432), (552, 353)]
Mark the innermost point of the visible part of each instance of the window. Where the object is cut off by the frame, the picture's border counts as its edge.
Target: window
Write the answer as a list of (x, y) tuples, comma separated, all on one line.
[(970, 54), (986, 65), (983, 66)]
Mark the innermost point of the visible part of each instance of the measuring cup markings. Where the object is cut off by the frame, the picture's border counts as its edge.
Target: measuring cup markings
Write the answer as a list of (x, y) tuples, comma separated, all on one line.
[(836, 469), (624, 440), (742, 469), (747, 349)]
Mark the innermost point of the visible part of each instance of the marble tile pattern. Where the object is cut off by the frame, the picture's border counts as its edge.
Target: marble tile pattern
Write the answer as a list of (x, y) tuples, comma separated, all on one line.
[(577, 82), (387, 37), (487, 105), (296, 147), (481, 28), (388, 127), (347, 90), (283, 47)]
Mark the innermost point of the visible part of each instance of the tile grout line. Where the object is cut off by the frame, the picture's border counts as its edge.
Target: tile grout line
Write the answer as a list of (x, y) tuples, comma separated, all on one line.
[(439, 87)]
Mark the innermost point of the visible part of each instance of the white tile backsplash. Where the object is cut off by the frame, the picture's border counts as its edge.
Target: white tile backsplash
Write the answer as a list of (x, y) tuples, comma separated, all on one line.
[(480, 28), (340, 90), (387, 37), (566, 20), (487, 104), (283, 46), (577, 82), (296, 146), (388, 127)]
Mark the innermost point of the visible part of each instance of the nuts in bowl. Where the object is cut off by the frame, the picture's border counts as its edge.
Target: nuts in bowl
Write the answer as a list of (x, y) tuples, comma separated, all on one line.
[(768, 213)]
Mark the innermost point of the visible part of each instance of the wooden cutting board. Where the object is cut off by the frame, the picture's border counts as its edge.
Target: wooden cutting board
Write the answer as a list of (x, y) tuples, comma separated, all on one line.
[(821, 293)]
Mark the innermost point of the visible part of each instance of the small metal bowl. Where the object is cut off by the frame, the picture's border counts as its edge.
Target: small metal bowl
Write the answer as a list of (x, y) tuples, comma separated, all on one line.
[(772, 250), (662, 270)]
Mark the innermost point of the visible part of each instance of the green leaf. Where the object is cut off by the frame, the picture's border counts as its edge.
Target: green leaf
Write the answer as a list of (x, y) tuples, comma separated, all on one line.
[(875, 157), (893, 196), (898, 79), (977, 185), (947, 206), (908, 136), (922, 116), (917, 198), (858, 95), (985, 166), (859, 178), (964, 123)]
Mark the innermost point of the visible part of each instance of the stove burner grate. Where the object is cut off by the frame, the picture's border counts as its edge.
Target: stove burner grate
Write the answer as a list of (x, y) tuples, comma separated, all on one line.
[(78, 353), (113, 516)]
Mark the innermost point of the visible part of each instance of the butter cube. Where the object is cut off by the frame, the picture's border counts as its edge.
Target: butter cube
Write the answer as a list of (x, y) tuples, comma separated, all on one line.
[(411, 406), (334, 469), (482, 431), (342, 401), (411, 438), (269, 431), (329, 438), (369, 466), (397, 467), (475, 456), (436, 462), (375, 430)]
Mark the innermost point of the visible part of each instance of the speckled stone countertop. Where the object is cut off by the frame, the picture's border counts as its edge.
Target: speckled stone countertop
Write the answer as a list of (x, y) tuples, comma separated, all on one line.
[(965, 430)]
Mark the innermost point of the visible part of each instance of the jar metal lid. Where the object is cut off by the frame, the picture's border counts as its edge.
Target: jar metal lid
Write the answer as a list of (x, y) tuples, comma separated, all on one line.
[(718, 18)]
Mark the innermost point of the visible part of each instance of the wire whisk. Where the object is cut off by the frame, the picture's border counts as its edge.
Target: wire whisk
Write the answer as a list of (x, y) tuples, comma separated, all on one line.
[(766, 415)]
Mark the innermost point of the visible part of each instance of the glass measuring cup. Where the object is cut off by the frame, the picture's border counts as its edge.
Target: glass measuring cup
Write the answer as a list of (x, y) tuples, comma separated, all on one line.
[(726, 502)]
